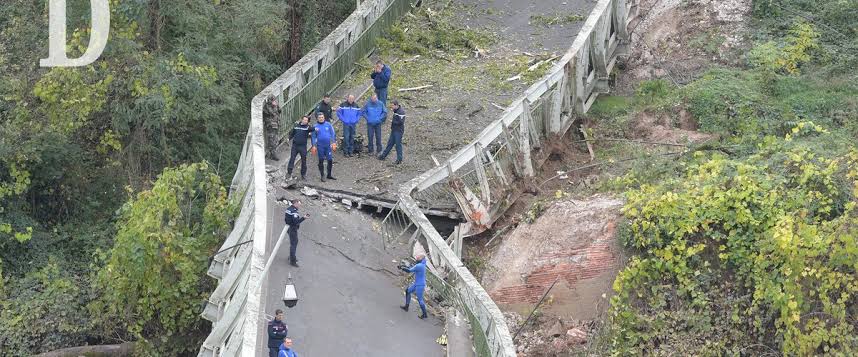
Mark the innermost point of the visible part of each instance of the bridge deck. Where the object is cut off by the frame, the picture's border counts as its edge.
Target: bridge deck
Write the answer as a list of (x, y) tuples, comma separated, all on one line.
[(443, 118), (348, 286)]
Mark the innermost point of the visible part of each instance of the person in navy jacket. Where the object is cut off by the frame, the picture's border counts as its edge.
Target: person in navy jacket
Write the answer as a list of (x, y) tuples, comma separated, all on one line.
[(299, 136), (419, 271), (293, 220), (324, 144), (380, 75), (397, 129), (375, 114), (349, 114), (277, 331)]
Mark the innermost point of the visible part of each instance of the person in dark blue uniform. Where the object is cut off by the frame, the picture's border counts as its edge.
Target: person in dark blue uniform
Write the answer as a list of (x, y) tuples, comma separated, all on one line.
[(380, 75), (397, 129), (293, 220), (299, 136), (418, 286), (277, 331), (324, 145)]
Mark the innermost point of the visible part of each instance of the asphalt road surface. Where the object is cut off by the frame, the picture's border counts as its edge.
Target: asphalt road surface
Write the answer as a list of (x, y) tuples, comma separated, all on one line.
[(348, 287)]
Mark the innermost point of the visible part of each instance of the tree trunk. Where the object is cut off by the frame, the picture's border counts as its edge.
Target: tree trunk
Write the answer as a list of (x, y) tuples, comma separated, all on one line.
[(296, 19), (153, 13), (123, 350)]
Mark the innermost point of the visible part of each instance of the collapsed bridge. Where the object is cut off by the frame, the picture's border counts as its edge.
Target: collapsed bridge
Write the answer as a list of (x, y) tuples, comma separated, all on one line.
[(480, 178)]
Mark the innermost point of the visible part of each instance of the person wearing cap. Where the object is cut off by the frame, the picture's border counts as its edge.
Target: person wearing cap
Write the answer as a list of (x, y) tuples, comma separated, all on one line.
[(397, 129), (271, 121), (349, 114)]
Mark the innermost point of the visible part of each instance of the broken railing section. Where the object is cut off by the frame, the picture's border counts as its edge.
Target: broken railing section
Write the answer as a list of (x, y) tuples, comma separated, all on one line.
[(483, 176), (237, 308)]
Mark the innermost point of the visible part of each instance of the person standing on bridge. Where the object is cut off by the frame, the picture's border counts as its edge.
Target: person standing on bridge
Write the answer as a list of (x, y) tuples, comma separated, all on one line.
[(349, 114), (324, 107), (286, 349), (375, 114), (299, 136), (293, 220), (271, 122), (397, 129), (418, 286), (324, 145), (380, 75), (277, 331)]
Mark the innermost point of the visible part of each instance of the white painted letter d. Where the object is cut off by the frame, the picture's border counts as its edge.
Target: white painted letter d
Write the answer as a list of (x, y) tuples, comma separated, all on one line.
[(57, 57)]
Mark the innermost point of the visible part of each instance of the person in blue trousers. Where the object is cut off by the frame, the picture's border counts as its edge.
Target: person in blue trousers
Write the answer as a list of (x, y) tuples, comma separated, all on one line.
[(418, 286), (324, 144), (380, 75), (349, 114), (397, 129), (286, 349), (375, 114)]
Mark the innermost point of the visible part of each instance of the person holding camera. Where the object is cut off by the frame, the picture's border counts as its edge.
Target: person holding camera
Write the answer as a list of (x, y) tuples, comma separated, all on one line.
[(419, 271), (293, 219)]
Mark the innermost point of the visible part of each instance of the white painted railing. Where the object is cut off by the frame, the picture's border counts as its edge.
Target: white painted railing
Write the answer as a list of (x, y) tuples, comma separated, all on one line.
[(482, 174), (237, 306)]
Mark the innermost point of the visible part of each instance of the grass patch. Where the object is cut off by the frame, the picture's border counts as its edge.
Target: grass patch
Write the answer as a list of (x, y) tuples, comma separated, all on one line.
[(428, 32), (548, 20)]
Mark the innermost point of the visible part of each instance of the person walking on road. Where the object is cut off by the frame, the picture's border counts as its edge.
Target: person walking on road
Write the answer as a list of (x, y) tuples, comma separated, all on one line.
[(380, 75), (375, 114), (419, 271), (286, 349), (324, 145), (397, 129), (299, 136), (277, 331), (349, 114), (324, 107), (271, 121), (293, 220)]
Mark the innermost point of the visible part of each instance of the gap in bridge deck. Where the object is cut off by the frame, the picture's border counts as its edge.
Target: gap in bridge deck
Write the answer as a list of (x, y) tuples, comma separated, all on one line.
[(500, 39)]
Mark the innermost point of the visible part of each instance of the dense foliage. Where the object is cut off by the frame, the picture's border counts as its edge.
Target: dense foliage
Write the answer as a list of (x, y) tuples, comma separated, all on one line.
[(154, 279), (749, 246), (740, 252), (171, 88)]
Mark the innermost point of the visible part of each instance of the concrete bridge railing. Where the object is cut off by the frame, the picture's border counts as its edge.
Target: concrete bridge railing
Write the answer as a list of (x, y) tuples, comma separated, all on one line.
[(237, 308), (482, 176)]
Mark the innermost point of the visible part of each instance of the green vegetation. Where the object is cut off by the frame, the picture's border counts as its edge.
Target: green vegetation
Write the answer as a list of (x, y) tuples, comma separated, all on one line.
[(171, 88), (747, 245), (555, 19)]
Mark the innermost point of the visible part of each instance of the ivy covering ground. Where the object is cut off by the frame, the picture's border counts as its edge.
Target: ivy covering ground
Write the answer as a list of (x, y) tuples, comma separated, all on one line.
[(749, 246)]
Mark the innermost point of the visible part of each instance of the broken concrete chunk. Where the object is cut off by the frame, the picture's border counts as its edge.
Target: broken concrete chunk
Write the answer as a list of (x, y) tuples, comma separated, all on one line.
[(347, 202), (309, 192)]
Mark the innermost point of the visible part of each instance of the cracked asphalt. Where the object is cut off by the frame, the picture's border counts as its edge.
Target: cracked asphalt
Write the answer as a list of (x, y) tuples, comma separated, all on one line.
[(348, 286)]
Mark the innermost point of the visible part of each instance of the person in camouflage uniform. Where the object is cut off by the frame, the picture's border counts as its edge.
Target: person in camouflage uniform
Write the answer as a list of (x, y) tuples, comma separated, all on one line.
[(271, 120)]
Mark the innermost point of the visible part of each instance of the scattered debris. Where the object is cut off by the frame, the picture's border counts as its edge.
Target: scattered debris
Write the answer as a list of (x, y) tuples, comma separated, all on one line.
[(415, 88), (498, 106), (309, 192)]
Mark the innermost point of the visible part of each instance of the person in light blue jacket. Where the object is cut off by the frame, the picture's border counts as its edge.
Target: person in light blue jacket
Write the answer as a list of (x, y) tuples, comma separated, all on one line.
[(375, 114), (324, 144), (286, 349), (349, 114), (419, 271)]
